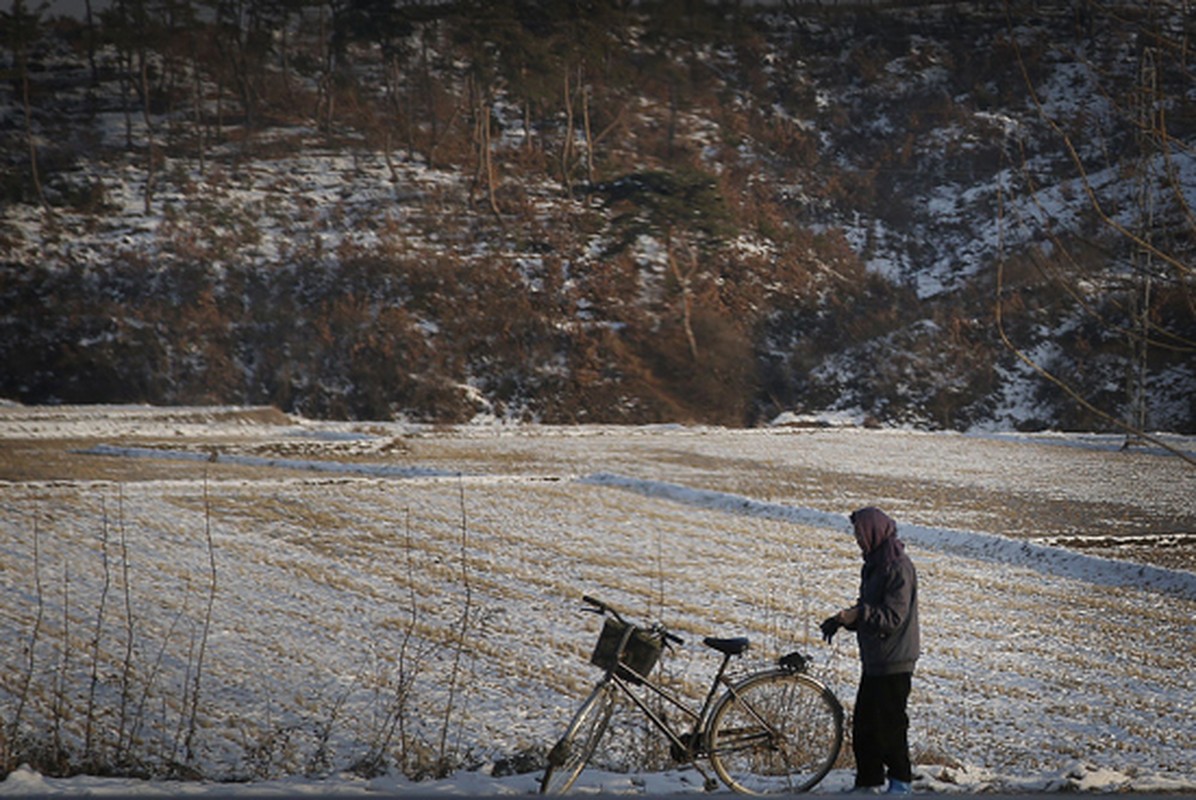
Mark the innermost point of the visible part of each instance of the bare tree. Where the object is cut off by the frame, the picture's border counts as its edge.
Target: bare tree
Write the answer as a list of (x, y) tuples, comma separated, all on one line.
[(1145, 291), (22, 28), (685, 211)]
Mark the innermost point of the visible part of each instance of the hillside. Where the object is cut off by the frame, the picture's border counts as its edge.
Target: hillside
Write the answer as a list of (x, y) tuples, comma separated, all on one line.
[(968, 216)]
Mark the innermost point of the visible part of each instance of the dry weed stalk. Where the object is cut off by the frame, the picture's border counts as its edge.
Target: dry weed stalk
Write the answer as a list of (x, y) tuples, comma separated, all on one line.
[(140, 715), (114, 750), (15, 727), (396, 706), (126, 674), (89, 755), (189, 741), (58, 702), (444, 765)]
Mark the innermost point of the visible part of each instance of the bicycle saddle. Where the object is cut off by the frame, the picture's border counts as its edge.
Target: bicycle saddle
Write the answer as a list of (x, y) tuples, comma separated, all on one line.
[(731, 647)]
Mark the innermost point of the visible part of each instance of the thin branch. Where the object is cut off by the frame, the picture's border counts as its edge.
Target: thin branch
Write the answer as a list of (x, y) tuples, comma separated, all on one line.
[(1047, 374), (127, 667), (88, 755), (189, 742), (1074, 156), (35, 634), (462, 633)]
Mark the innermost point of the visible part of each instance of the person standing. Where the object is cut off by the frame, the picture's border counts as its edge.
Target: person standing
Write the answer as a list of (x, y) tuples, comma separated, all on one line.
[(885, 621)]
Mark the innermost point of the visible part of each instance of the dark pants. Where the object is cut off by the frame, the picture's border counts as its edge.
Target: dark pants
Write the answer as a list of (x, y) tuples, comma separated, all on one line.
[(880, 729)]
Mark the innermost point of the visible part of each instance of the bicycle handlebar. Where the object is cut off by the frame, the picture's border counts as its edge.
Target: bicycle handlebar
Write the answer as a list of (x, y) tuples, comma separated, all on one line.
[(599, 607)]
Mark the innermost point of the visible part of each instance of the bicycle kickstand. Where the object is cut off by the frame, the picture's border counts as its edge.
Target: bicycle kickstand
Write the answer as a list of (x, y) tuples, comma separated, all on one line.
[(709, 782)]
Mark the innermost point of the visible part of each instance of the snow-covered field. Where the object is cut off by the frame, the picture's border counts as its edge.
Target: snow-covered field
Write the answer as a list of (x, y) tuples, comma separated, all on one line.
[(381, 592)]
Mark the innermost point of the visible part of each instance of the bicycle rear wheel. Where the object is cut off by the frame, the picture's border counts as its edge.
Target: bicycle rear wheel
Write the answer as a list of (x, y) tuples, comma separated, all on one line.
[(568, 757), (775, 732)]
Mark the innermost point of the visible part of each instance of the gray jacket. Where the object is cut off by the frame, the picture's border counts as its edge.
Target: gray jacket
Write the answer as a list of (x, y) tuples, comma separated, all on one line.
[(887, 628)]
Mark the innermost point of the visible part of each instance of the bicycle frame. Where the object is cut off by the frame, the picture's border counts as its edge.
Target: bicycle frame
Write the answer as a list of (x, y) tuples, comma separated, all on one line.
[(693, 744), (685, 747), (736, 727)]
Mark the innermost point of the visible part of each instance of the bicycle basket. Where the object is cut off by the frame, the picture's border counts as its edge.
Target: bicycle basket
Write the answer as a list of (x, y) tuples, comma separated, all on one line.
[(638, 657)]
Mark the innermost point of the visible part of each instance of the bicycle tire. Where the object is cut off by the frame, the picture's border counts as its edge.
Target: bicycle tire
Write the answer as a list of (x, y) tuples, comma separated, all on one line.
[(569, 756), (776, 732)]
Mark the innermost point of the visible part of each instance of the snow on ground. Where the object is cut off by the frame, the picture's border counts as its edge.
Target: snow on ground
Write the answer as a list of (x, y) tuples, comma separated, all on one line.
[(383, 589)]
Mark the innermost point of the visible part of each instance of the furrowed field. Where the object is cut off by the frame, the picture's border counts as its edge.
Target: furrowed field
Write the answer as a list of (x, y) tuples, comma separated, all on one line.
[(234, 594)]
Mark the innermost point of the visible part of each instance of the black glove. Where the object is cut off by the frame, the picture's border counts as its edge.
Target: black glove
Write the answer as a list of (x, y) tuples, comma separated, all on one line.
[(830, 627)]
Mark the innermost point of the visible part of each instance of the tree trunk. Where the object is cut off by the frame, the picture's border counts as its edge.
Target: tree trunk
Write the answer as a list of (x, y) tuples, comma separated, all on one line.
[(484, 166), (149, 134), (197, 102), (683, 279), (92, 37), (585, 117), (488, 158), (34, 175), (567, 145)]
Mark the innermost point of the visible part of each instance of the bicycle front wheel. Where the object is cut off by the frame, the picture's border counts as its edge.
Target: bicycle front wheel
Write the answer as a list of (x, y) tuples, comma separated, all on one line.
[(775, 732), (568, 757)]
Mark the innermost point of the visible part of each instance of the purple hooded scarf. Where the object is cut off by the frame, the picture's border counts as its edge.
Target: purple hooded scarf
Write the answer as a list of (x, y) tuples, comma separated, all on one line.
[(877, 534)]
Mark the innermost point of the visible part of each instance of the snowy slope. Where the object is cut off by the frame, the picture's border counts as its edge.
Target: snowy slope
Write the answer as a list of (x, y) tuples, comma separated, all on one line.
[(920, 154)]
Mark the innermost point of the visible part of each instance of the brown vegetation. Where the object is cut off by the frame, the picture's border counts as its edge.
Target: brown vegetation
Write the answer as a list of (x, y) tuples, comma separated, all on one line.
[(740, 145)]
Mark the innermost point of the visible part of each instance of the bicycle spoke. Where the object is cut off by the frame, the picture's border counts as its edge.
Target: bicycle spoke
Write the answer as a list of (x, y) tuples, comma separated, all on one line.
[(739, 739), (774, 733), (568, 757)]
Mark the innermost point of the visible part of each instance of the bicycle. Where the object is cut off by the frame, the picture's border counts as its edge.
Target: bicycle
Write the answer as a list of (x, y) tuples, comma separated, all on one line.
[(776, 730)]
